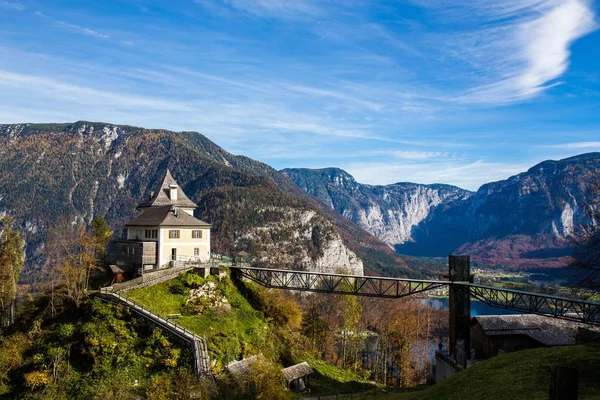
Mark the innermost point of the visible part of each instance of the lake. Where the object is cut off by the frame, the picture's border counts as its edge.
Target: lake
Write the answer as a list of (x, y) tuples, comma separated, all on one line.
[(477, 307)]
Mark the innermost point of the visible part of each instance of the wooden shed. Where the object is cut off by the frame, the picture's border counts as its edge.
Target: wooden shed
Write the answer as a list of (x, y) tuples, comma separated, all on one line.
[(496, 334), (298, 376), (240, 370)]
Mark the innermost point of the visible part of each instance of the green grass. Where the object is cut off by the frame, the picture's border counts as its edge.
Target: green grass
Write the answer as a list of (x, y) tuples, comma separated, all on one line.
[(331, 380), (158, 298), (519, 375), (231, 335)]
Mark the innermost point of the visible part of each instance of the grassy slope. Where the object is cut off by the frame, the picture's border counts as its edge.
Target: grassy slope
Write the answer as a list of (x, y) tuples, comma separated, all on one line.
[(240, 332), (519, 375)]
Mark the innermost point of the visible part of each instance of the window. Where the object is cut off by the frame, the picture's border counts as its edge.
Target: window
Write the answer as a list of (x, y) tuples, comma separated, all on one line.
[(197, 234), (196, 251), (151, 233), (174, 234)]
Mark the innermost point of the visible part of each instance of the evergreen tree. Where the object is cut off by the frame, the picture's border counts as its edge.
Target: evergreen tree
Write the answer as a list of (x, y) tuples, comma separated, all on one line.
[(12, 259), (102, 236)]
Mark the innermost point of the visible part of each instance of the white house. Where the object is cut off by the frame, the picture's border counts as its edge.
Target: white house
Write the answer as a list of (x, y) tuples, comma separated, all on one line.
[(166, 233)]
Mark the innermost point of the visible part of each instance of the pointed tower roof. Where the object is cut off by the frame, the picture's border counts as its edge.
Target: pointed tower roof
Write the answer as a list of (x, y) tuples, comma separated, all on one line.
[(162, 195)]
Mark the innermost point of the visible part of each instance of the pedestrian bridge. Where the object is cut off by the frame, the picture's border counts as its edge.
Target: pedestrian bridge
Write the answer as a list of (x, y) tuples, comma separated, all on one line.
[(383, 287)]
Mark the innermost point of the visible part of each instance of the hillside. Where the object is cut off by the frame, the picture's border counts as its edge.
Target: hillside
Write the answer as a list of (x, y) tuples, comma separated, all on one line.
[(519, 375), (526, 220), (83, 169), (101, 351)]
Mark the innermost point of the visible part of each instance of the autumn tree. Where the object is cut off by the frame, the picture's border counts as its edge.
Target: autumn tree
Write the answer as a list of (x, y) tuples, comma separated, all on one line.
[(12, 259), (72, 252)]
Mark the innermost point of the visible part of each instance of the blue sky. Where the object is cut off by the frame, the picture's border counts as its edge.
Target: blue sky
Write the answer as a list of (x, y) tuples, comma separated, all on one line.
[(424, 91)]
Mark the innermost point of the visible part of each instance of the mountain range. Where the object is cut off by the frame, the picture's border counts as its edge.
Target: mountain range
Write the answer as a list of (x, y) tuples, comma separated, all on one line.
[(297, 218), (527, 220), (77, 171)]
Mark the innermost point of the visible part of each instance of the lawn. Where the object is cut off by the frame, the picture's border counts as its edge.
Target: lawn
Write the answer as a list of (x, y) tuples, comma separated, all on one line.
[(232, 334), (519, 375)]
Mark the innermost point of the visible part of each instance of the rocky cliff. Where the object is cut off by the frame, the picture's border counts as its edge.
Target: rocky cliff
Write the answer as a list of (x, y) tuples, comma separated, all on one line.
[(527, 220), (389, 212)]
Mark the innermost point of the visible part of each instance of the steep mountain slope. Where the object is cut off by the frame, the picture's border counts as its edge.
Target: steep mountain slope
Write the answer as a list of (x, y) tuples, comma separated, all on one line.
[(389, 212), (527, 220), (83, 169)]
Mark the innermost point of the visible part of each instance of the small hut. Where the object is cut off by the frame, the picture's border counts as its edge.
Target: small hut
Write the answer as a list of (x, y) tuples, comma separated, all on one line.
[(298, 376), (240, 370), (118, 274)]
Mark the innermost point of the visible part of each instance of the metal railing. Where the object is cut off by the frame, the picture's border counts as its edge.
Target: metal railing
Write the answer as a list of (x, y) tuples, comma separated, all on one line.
[(374, 286), (199, 345)]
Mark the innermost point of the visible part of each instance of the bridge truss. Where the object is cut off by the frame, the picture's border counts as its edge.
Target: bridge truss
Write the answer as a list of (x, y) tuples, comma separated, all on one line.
[(383, 287)]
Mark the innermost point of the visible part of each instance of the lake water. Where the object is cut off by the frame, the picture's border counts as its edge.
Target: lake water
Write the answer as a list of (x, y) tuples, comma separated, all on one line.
[(477, 307)]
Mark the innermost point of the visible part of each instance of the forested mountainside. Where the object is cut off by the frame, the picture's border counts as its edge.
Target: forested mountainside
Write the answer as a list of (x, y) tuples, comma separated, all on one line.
[(83, 169), (527, 220)]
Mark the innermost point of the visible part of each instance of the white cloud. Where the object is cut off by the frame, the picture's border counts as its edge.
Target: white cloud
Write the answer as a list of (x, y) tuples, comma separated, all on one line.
[(14, 6), (468, 174), (277, 8), (82, 30), (575, 145), (75, 28), (416, 155), (82, 94), (523, 47)]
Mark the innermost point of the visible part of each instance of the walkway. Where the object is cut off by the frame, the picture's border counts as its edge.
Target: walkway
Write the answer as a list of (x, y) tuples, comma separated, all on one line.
[(199, 346)]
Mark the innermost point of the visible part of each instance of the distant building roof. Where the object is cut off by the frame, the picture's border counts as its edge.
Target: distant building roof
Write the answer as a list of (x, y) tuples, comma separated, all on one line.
[(242, 369), (161, 195), (297, 371), (166, 216), (546, 330)]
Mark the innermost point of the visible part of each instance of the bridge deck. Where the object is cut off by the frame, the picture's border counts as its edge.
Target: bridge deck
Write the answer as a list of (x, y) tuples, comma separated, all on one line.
[(385, 287)]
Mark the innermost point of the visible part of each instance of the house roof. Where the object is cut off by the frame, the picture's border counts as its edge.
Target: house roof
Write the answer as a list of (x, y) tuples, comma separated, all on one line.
[(161, 195), (297, 371), (546, 330), (242, 369), (166, 216)]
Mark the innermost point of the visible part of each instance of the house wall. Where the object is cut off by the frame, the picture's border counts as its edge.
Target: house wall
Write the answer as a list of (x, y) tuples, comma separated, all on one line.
[(138, 233), (132, 254), (488, 346), (509, 343), (480, 342), (185, 244)]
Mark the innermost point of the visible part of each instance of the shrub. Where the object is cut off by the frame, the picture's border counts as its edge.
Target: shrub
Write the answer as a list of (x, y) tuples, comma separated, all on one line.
[(178, 287), (36, 379), (192, 280)]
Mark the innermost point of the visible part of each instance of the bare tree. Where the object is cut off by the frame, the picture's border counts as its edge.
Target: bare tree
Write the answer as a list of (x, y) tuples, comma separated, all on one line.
[(72, 253), (12, 259)]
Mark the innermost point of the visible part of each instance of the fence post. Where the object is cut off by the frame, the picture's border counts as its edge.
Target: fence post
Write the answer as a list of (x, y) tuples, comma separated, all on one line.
[(564, 383)]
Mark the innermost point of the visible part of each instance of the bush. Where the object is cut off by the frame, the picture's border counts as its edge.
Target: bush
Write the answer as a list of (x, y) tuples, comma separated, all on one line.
[(178, 287), (36, 379), (192, 280)]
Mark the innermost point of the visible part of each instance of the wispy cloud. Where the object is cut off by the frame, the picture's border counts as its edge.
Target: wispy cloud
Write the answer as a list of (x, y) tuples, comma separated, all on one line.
[(416, 155), (575, 146), (83, 30), (14, 6), (74, 28), (278, 8), (520, 48), (466, 174)]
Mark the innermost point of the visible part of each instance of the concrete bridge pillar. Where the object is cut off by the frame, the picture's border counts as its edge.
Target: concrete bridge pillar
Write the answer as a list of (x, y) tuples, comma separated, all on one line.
[(460, 309)]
